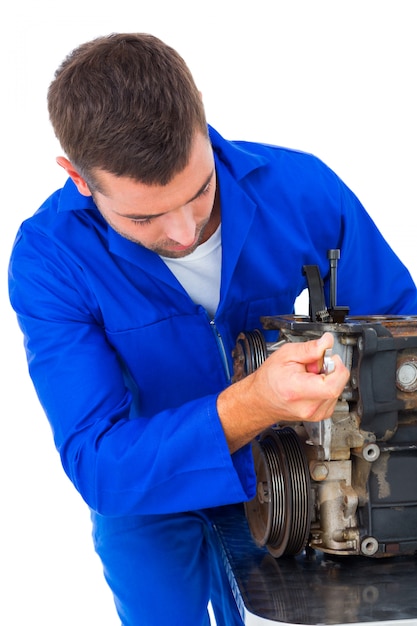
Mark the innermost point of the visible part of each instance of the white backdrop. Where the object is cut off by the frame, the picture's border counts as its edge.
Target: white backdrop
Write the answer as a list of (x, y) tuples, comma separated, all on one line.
[(332, 77)]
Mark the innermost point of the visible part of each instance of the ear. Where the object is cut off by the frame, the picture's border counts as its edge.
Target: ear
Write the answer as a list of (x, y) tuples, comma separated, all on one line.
[(77, 179)]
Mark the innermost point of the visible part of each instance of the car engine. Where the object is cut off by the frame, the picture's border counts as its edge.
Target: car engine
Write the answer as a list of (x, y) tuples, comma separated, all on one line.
[(346, 485)]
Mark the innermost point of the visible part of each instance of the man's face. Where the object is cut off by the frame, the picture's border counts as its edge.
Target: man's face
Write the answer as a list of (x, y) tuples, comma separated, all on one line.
[(171, 220)]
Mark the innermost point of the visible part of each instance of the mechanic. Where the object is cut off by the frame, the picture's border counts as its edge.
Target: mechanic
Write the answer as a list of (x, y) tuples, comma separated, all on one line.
[(131, 285)]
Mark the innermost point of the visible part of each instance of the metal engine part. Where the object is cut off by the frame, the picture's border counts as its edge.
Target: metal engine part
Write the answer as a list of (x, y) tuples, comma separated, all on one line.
[(346, 485)]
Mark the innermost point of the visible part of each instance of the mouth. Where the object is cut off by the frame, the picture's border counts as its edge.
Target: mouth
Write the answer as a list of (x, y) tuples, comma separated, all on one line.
[(180, 248)]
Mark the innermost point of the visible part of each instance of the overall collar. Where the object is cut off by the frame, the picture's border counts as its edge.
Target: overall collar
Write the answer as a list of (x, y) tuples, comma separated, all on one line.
[(234, 162)]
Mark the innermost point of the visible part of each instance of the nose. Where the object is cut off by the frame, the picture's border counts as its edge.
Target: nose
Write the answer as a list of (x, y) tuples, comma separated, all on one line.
[(180, 225)]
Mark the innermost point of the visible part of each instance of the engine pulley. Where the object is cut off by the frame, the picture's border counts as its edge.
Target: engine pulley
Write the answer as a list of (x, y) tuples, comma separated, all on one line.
[(279, 515)]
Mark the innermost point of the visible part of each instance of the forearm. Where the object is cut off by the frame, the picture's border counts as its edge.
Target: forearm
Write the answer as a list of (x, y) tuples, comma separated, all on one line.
[(243, 412)]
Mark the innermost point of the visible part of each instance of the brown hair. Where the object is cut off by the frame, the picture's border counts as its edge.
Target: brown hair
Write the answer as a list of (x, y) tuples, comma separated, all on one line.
[(127, 104)]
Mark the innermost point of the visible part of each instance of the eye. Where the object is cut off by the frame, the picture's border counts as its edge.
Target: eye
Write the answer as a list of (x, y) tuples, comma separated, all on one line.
[(204, 191), (143, 222)]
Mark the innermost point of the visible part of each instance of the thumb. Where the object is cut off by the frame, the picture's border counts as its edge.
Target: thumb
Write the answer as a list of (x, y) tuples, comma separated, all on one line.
[(315, 351)]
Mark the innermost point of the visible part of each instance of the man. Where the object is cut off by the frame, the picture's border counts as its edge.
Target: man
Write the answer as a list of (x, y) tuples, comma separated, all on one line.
[(131, 285)]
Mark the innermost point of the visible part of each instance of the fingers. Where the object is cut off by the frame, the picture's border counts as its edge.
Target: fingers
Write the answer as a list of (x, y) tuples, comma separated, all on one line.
[(325, 391), (317, 385), (316, 354), (315, 350), (298, 384)]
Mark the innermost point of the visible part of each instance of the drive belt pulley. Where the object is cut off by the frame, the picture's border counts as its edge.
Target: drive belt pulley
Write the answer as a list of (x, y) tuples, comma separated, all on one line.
[(280, 514), (249, 353)]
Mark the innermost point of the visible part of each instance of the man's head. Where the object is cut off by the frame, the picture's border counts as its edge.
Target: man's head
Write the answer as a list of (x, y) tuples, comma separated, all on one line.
[(126, 104), (130, 118), (172, 219)]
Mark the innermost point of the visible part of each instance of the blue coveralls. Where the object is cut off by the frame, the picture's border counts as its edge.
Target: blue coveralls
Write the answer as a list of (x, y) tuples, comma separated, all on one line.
[(128, 368)]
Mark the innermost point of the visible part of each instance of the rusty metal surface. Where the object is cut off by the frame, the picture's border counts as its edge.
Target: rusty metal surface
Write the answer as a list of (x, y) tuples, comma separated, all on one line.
[(314, 588)]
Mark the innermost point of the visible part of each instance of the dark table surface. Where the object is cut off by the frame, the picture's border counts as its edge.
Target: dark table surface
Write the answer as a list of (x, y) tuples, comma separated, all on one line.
[(314, 588)]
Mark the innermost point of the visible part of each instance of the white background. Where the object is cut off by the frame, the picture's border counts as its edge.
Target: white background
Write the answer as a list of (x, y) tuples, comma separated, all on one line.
[(336, 78)]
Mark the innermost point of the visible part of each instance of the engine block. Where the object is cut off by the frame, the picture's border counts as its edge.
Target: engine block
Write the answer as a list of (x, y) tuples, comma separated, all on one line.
[(346, 485)]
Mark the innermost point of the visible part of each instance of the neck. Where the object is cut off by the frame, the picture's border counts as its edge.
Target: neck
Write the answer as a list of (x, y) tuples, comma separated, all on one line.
[(214, 220)]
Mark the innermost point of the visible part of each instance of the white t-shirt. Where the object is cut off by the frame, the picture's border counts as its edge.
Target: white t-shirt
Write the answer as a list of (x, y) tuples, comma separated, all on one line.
[(199, 272)]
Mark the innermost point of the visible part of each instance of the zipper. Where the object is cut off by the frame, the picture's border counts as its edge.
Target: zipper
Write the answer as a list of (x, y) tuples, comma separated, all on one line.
[(222, 349)]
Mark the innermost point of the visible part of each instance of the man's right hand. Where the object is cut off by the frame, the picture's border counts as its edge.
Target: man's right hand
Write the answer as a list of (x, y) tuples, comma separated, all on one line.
[(289, 386)]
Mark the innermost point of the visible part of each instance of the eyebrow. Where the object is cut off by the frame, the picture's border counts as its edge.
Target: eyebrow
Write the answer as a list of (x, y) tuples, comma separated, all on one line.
[(144, 216)]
